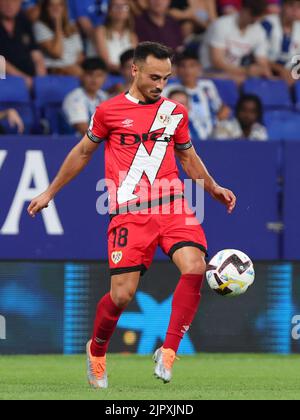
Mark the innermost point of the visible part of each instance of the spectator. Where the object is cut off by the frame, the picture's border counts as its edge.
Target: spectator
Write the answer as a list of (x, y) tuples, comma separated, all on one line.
[(181, 96), (274, 6), (17, 43), (80, 105), (247, 124), (116, 36), (236, 45), (126, 71), (138, 6), (89, 14), (205, 103), (14, 120), (283, 32), (31, 9), (195, 15), (227, 7), (156, 25), (59, 39)]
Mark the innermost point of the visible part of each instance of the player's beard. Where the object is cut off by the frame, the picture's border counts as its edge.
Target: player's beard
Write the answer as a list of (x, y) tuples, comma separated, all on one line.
[(155, 95)]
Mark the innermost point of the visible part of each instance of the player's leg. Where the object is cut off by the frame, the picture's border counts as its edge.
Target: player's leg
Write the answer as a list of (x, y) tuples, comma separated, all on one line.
[(109, 310), (191, 263), (183, 239), (132, 241)]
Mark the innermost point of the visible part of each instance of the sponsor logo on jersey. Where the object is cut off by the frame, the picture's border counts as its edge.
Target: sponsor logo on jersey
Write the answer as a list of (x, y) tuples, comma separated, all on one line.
[(116, 256), (131, 139)]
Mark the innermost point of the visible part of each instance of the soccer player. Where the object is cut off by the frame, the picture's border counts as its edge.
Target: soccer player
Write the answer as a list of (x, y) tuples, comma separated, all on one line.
[(142, 132)]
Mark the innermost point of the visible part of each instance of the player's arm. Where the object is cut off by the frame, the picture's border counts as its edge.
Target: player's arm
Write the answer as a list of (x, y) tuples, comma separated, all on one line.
[(197, 171), (75, 162)]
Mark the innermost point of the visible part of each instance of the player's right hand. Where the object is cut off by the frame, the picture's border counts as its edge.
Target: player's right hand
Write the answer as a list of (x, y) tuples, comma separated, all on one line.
[(39, 203)]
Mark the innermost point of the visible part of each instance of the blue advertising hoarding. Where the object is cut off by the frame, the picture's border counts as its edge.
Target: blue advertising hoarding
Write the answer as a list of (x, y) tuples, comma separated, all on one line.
[(49, 307), (72, 229), (291, 207)]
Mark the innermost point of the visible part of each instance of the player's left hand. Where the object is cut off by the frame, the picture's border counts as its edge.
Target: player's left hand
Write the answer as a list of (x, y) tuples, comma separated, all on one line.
[(225, 197)]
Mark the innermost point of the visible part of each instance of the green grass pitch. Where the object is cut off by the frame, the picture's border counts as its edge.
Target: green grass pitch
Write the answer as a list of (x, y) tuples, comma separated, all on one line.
[(200, 377)]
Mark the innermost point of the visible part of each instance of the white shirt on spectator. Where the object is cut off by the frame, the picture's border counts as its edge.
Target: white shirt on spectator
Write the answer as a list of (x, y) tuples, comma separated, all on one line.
[(78, 107), (279, 51), (205, 103), (73, 46), (226, 34), (117, 45), (232, 130)]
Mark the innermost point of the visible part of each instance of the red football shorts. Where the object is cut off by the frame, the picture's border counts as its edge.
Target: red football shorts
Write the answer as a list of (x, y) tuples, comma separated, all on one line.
[(133, 238)]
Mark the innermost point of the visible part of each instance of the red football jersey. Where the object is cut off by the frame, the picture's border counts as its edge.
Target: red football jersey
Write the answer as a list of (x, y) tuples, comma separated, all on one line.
[(140, 139)]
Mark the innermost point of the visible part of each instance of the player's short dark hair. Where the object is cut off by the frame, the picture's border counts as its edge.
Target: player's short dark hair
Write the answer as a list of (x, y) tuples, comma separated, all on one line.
[(92, 64), (146, 49), (251, 98), (257, 7), (126, 56), (186, 55)]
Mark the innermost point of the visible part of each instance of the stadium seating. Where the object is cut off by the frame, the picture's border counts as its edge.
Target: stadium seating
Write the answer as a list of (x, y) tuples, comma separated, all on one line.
[(50, 92), (228, 91), (14, 94), (274, 94), (283, 125), (111, 81), (281, 116)]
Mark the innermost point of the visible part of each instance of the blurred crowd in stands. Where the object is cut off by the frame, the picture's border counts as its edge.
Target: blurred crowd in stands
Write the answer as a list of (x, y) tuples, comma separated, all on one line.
[(70, 55)]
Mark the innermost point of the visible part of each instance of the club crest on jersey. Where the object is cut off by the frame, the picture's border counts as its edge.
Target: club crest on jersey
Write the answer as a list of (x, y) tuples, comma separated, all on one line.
[(116, 256), (165, 119)]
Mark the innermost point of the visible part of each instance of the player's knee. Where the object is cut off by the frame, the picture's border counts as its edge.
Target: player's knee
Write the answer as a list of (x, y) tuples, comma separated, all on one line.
[(122, 298), (195, 266)]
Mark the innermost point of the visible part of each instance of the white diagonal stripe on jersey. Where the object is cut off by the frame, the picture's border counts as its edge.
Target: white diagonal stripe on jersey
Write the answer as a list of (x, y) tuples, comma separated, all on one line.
[(143, 162), (167, 108), (150, 164)]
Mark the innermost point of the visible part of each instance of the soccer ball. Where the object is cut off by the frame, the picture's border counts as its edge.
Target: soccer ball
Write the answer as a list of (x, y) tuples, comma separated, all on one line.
[(230, 273)]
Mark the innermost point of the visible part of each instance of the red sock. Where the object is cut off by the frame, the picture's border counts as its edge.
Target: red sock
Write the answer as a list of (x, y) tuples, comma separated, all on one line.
[(185, 304), (107, 317)]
